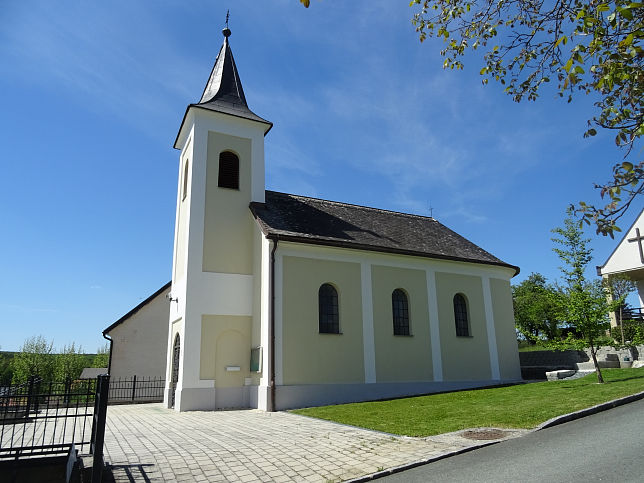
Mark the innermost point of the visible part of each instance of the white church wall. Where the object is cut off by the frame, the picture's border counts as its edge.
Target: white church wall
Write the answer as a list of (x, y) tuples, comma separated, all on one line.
[(299, 396), (139, 343)]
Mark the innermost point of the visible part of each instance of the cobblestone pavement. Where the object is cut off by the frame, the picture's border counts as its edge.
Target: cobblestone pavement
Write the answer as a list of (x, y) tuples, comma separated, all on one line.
[(147, 442)]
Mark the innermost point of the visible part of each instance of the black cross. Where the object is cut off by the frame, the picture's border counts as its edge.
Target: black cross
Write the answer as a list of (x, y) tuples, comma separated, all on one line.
[(638, 238)]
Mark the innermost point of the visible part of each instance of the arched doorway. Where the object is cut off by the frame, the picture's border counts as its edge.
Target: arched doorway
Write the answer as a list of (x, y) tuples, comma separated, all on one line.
[(176, 352)]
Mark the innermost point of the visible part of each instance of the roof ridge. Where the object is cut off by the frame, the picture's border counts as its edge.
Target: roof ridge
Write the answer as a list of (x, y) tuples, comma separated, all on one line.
[(357, 206)]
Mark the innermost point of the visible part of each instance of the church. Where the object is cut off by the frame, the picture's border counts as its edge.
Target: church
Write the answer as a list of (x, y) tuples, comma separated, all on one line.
[(628, 259), (280, 301)]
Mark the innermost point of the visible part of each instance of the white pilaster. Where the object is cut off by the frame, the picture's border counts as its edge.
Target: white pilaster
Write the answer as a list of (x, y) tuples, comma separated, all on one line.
[(279, 270), (491, 332), (369, 347), (434, 330)]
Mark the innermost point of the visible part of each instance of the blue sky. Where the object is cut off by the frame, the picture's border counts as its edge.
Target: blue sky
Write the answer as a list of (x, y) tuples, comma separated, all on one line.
[(93, 93)]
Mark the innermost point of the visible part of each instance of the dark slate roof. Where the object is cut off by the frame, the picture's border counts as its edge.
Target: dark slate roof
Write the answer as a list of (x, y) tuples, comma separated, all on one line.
[(92, 372), (315, 221), (223, 91)]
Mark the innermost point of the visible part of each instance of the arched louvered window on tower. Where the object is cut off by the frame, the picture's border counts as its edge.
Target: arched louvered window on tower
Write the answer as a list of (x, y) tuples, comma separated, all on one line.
[(400, 312), (461, 318), (329, 316), (228, 170)]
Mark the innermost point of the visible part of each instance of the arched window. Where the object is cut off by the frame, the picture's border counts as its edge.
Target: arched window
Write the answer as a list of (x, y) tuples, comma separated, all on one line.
[(185, 181), (228, 170), (400, 310), (460, 316), (176, 353), (328, 309)]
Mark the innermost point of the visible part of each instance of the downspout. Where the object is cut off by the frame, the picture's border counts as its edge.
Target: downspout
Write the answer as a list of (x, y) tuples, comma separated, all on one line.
[(272, 322), (109, 362)]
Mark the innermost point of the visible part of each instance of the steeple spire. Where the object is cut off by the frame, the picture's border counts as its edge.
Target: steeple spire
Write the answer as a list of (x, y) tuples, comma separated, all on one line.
[(223, 91)]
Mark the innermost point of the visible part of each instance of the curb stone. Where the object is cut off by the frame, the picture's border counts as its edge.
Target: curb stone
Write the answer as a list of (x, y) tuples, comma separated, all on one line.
[(547, 424), (591, 410), (408, 466)]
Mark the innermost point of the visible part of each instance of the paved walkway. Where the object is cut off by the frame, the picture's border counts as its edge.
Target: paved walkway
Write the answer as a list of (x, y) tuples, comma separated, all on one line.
[(149, 443)]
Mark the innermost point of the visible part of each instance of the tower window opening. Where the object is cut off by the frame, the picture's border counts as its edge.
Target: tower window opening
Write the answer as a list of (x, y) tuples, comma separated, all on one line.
[(228, 170)]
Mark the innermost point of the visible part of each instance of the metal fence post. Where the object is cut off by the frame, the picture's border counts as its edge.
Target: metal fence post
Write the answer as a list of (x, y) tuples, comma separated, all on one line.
[(68, 390), (30, 394), (98, 426), (133, 387)]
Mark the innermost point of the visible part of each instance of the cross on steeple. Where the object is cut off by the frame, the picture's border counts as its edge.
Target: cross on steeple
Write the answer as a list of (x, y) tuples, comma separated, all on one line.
[(638, 239)]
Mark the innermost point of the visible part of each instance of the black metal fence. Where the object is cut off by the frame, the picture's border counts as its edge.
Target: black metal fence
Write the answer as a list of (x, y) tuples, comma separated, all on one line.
[(47, 418), (635, 314), (136, 390)]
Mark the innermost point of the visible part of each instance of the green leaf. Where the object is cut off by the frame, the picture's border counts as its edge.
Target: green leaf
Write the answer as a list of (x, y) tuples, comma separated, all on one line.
[(627, 166), (627, 41), (561, 39)]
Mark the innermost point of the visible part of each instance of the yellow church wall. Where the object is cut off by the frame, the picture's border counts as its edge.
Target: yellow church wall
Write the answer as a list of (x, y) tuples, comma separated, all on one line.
[(399, 357), (463, 358), (506, 341), (225, 341), (308, 356), (228, 223)]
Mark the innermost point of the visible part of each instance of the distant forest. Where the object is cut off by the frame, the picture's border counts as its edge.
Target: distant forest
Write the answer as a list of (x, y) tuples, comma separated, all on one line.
[(7, 364)]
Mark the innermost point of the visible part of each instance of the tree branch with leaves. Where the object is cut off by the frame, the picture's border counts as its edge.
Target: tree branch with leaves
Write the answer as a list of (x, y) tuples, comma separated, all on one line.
[(586, 46)]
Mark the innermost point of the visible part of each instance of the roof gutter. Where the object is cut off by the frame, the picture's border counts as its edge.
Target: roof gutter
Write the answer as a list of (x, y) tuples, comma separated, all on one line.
[(271, 326), (109, 362)]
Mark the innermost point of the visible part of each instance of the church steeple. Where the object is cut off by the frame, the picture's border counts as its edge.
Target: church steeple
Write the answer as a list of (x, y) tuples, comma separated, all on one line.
[(223, 91)]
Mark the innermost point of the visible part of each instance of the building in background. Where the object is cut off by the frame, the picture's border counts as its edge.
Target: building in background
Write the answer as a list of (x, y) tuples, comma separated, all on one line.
[(628, 259), (139, 339)]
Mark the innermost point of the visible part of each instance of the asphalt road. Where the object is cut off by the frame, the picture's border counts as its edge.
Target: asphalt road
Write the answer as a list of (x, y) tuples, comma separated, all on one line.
[(607, 446)]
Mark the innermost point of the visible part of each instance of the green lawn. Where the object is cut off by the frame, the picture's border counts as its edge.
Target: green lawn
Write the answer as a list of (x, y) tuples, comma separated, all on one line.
[(520, 406)]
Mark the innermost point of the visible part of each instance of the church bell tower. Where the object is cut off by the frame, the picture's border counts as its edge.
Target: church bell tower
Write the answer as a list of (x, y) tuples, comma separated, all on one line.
[(221, 171)]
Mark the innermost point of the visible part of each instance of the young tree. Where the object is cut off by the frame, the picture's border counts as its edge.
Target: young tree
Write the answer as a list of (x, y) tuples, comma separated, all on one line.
[(102, 356), (586, 46), (586, 307), (34, 359), (70, 362), (536, 308), (619, 286)]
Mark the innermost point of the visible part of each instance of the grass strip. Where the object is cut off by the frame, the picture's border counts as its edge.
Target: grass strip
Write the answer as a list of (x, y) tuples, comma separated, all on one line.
[(520, 406)]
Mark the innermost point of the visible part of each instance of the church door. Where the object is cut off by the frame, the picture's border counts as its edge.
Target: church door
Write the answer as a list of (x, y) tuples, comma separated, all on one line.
[(176, 351)]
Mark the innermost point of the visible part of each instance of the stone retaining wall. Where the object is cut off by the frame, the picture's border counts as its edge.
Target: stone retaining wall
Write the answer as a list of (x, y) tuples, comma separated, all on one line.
[(572, 357), (535, 364), (552, 358)]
